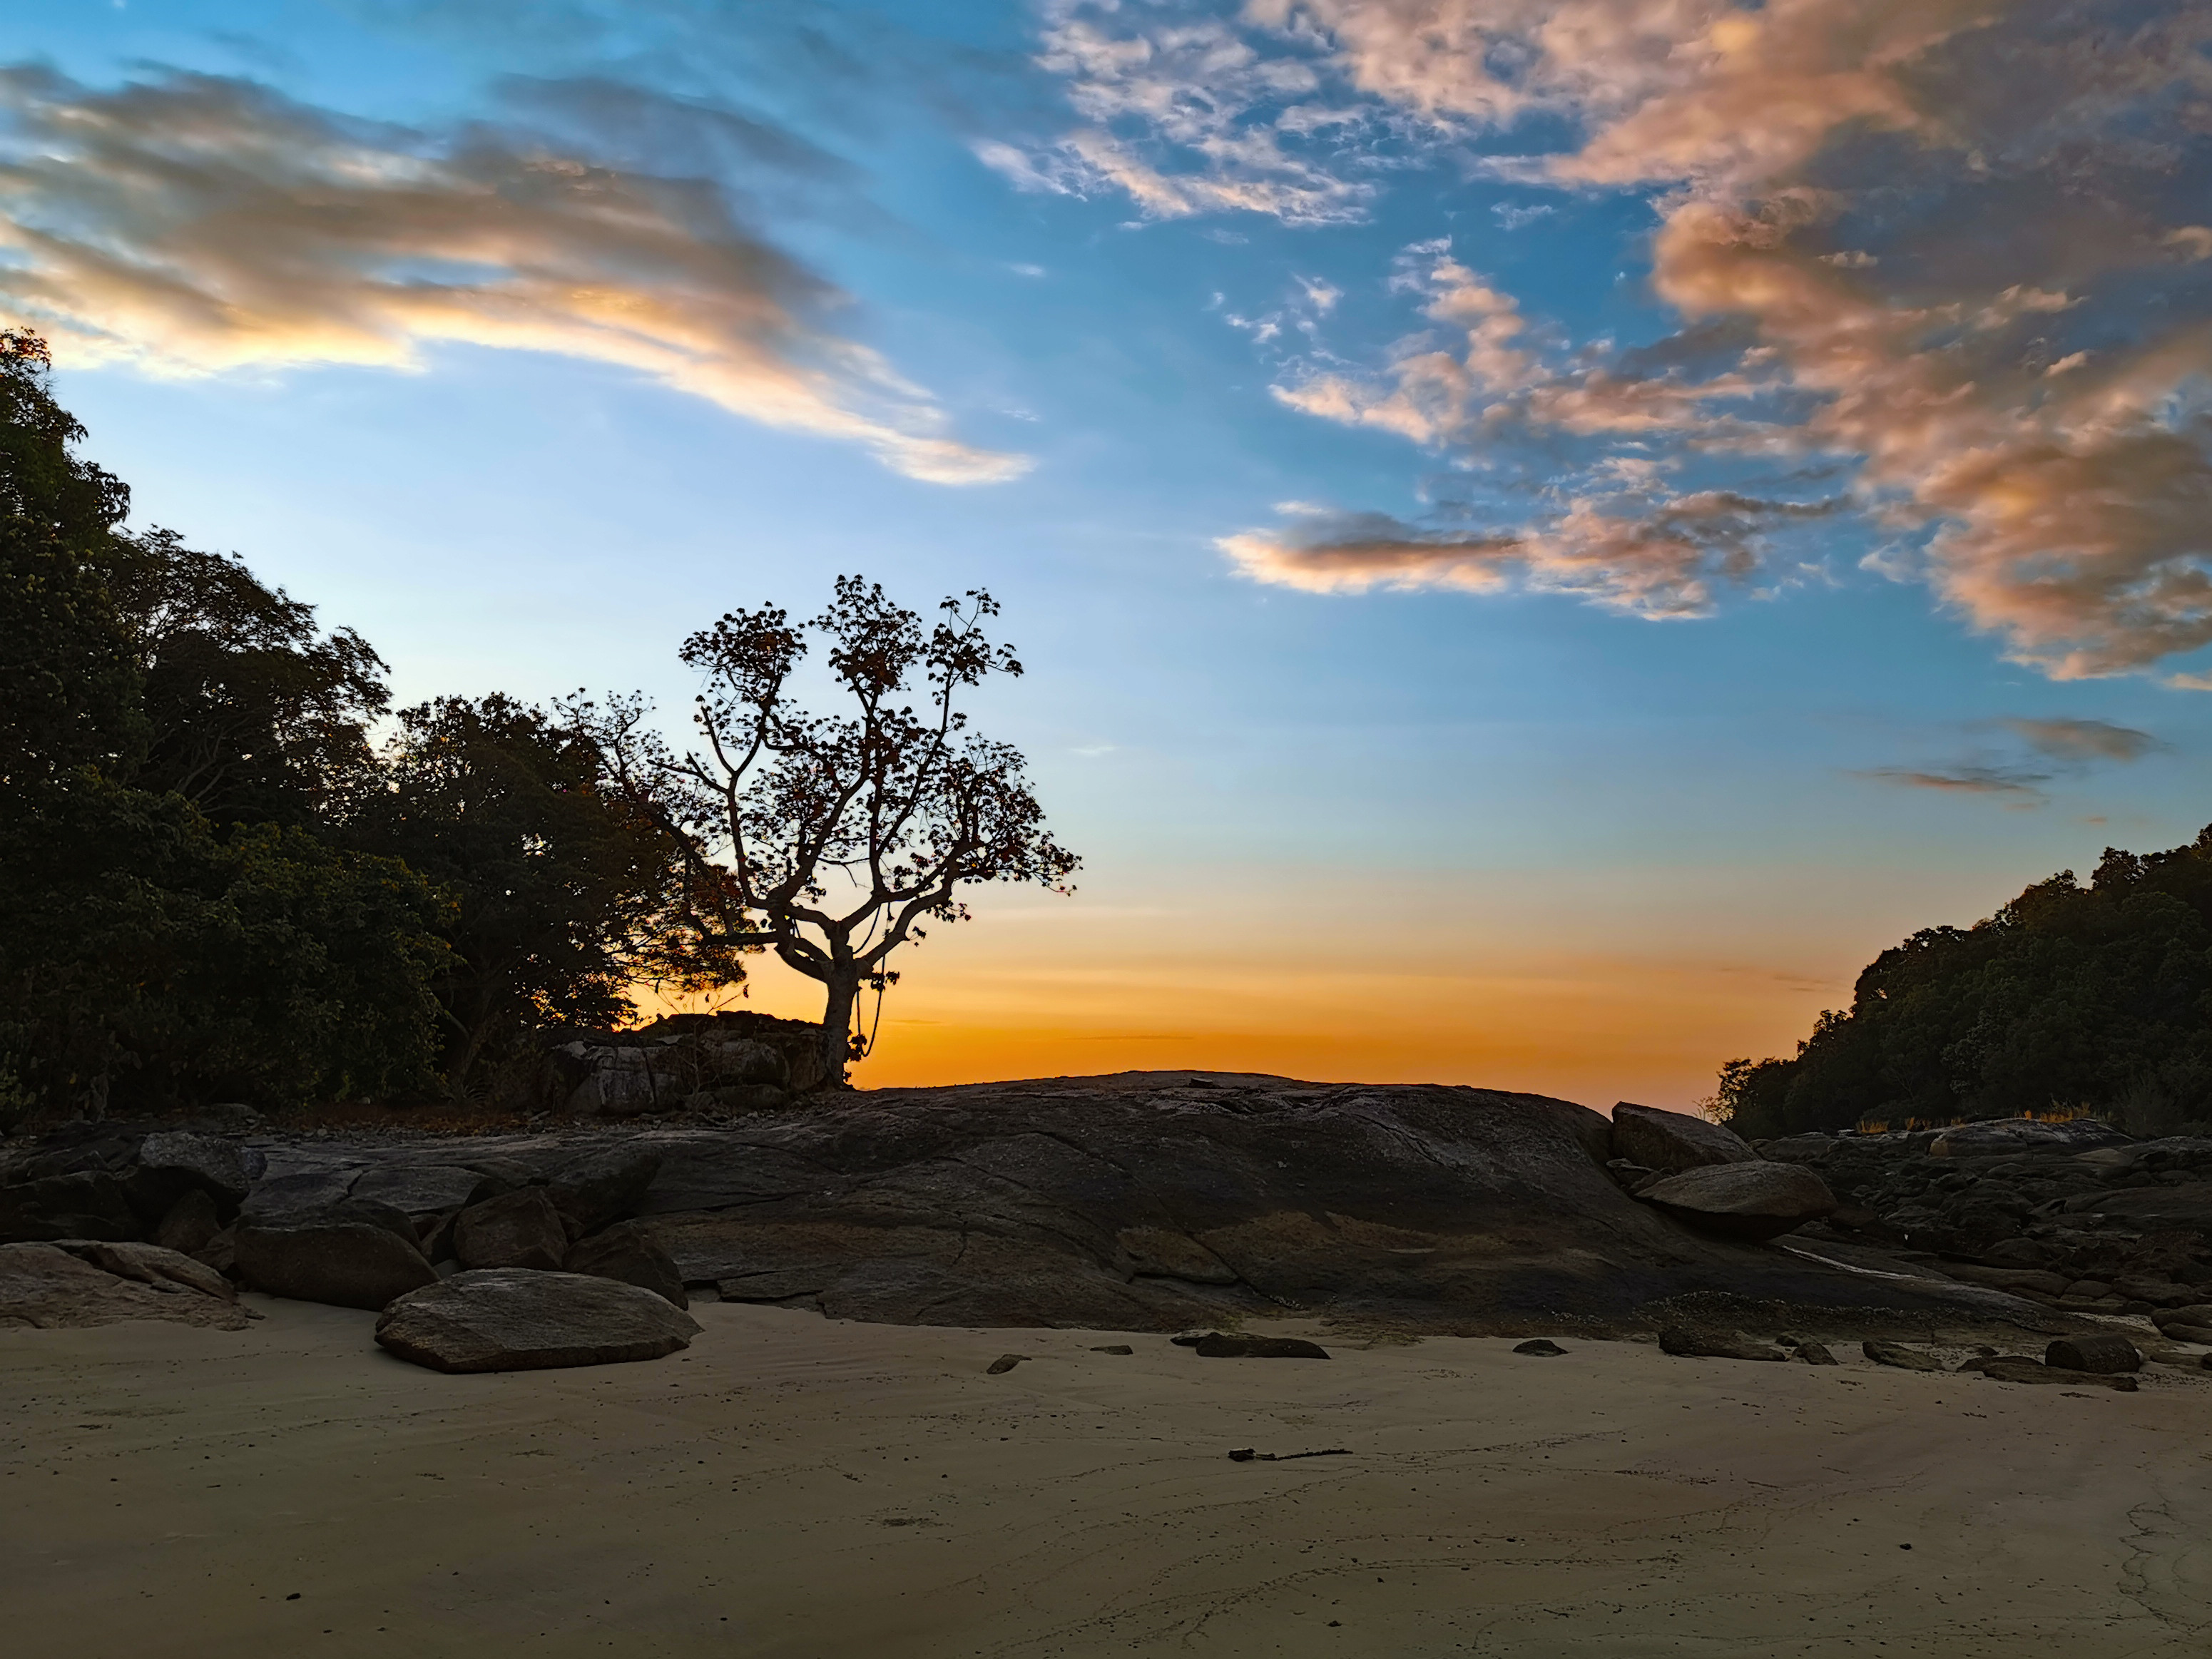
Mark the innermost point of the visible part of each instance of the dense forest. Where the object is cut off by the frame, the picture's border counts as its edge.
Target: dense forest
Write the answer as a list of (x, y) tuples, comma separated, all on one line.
[(230, 870), (2071, 998)]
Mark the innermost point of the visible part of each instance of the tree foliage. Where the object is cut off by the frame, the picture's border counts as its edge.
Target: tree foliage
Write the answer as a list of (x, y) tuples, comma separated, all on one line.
[(2074, 995), (834, 837), (564, 894)]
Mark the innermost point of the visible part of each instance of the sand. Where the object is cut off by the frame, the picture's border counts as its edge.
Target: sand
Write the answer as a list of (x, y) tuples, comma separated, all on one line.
[(793, 1487)]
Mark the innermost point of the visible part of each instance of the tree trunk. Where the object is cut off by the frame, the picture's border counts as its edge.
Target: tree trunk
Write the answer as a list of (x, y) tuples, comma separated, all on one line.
[(844, 990)]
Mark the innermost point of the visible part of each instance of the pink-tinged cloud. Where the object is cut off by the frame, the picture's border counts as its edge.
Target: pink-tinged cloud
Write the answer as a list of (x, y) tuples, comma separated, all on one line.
[(2010, 355), (192, 225)]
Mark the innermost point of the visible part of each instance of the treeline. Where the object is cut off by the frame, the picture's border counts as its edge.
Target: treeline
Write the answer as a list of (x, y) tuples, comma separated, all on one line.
[(229, 870), (2071, 998)]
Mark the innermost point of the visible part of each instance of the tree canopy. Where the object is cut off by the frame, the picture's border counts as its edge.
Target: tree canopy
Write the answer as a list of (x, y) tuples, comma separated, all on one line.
[(833, 838), (217, 886), (2095, 996)]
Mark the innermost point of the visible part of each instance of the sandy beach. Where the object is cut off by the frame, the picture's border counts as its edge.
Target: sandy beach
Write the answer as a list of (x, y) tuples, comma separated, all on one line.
[(797, 1486)]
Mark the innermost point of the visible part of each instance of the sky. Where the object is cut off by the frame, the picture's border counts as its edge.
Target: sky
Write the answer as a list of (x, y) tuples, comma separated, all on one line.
[(1544, 535)]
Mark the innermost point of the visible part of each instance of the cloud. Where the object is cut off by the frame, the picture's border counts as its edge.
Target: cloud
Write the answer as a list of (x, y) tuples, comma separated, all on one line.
[(1667, 560), (2016, 787), (1961, 243), (193, 224), (2084, 740)]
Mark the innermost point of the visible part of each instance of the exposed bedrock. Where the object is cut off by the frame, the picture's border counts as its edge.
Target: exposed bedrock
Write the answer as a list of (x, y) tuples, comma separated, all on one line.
[(1148, 1200)]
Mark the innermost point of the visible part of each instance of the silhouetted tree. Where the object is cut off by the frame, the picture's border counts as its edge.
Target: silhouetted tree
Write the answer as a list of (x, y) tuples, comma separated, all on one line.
[(2095, 996), (563, 894), (833, 838)]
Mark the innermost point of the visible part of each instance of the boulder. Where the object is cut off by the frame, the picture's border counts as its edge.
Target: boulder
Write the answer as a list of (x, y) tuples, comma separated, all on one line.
[(1690, 1342), (509, 1319), (189, 1223), (602, 1186), (1215, 1345), (1743, 1201), (627, 1252), (1897, 1355), (1161, 1252), (151, 1264), (78, 1204), (1815, 1353), (216, 1166), (518, 1229), (1543, 1347), (45, 1287), (423, 1190), (2106, 1353), (2196, 1313), (1674, 1141), (349, 1257), (2015, 1368), (1999, 1136)]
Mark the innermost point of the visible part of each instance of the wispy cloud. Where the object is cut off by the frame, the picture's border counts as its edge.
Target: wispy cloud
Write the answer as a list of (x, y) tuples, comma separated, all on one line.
[(2015, 787), (2084, 740), (2054, 749), (191, 224)]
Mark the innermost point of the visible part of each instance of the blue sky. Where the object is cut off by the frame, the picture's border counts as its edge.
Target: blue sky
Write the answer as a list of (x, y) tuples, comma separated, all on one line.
[(1530, 575)]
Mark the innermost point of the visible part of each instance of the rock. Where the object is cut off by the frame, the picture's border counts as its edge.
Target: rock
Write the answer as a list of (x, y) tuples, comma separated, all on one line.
[(1542, 1346), (344, 1257), (45, 1287), (1743, 1201), (1115, 1347), (189, 1223), (2188, 1205), (1166, 1254), (1003, 1364), (628, 1253), (2011, 1368), (79, 1204), (2158, 1293), (1999, 1136), (512, 1319), (2104, 1351), (219, 1167), (738, 1098), (220, 1253), (1688, 1342), (423, 1190), (519, 1230), (1189, 1339), (151, 1264), (602, 1186), (2016, 1279), (1674, 1141), (1815, 1353), (1897, 1355), (1215, 1345), (1015, 1205)]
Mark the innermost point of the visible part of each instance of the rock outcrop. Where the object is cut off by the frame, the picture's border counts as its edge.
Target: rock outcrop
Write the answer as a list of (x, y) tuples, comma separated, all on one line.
[(1673, 1141), (47, 1287), (1756, 1200), (512, 1319)]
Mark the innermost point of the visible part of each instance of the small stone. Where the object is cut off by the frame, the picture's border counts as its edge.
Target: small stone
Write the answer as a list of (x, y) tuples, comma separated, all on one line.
[(1542, 1346), (1115, 1347), (1897, 1355), (1003, 1364), (1243, 1454)]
